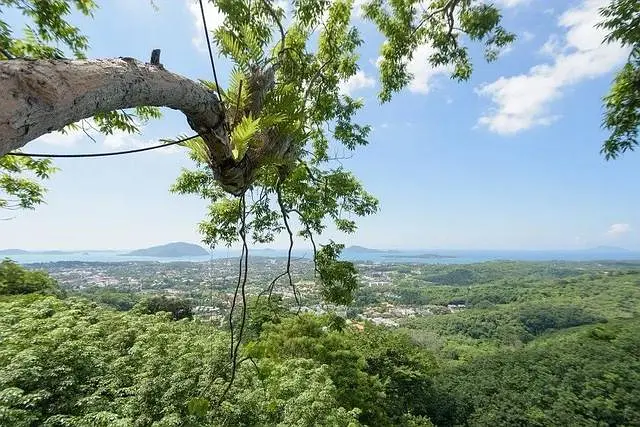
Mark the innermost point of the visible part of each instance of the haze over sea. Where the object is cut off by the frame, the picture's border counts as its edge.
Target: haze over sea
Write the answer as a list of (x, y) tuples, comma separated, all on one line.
[(396, 256)]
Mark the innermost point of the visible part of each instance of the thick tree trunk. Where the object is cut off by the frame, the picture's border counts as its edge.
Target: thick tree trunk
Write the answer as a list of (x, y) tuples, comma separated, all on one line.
[(41, 96)]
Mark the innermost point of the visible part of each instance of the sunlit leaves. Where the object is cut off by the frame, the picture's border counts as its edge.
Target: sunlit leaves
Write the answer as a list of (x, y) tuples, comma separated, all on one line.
[(110, 121), (309, 12), (442, 25), (198, 150), (338, 279), (125, 120), (622, 103), (302, 111), (47, 28), (222, 224), (15, 280), (242, 134), (20, 177), (237, 95), (621, 18), (48, 34), (229, 44), (622, 111), (350, 134), (74, 363)]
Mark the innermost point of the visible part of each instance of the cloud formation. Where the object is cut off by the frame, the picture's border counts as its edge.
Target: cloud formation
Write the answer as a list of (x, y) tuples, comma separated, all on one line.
[(527, 36), (511, 3), (215, 19), (358, 81), (423, 73), (68, 139), (522, 102), (616, 230)]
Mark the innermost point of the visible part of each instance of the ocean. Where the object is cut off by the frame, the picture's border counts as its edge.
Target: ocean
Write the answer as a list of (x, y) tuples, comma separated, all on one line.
[(423, 257)]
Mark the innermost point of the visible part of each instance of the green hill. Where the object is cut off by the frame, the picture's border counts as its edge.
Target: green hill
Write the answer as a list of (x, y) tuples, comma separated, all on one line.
[(171, 250)]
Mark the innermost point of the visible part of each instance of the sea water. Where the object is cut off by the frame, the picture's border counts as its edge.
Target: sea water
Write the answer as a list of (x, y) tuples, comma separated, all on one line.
[(423, 257)]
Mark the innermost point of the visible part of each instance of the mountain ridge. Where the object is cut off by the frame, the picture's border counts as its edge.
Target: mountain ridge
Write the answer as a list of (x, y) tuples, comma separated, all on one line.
[(170, 250)]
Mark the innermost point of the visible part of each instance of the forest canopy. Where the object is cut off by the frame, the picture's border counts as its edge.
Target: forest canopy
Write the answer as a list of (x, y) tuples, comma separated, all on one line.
[(261, 151), (570, 358), (267, 136)]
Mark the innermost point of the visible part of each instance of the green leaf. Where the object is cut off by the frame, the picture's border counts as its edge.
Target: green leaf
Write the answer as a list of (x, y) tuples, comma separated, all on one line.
[(198, 406), (242, 134)]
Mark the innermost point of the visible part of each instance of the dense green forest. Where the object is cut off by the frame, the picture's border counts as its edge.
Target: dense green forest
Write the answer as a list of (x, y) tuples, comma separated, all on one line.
[(495, 344), (554, 347)]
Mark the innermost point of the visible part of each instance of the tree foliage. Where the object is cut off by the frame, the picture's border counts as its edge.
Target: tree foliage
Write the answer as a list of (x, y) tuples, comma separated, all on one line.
[(621, 18), (179, 308), (73, 362), (445, 26), (48, 34), (45, 33), (15, 280), (20, 182), (48, 30), (588, 377), (284, 92)]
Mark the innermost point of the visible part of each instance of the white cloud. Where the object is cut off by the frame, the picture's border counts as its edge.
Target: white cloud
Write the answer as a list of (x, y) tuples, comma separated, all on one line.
[(552, 47), (215, 19), (522, 101), (356, 82), (511, 3), (616, 230), (527, 36), (71, 137), (357, 7), (423, 73), (119, 140), (505, 51)]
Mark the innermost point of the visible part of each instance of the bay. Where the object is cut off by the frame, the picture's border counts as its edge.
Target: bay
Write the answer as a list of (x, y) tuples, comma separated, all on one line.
[(384, 257)]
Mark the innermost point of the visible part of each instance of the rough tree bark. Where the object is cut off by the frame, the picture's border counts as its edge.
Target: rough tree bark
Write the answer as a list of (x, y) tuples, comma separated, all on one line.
[(41, 96)]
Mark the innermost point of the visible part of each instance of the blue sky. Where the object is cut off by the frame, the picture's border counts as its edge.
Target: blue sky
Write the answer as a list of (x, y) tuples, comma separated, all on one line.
[(509, 160)]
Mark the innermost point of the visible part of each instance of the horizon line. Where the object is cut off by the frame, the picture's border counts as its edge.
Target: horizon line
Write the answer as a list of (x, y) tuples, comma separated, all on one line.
[(382, 249)]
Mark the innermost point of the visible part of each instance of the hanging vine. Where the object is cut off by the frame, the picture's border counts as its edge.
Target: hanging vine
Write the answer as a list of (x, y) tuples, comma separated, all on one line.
[(285, 112), (279, 99)]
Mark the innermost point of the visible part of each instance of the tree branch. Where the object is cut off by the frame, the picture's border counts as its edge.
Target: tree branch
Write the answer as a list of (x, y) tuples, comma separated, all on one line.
[(285, 218), (447, 9), (273, 14), (41, 96)]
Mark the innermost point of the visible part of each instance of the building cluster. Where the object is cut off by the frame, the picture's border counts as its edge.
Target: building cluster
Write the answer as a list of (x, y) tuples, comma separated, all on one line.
[(211, 285)]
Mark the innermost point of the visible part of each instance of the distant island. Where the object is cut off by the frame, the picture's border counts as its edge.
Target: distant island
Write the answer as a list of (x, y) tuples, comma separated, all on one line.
[(13, 252), (170, 250)]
